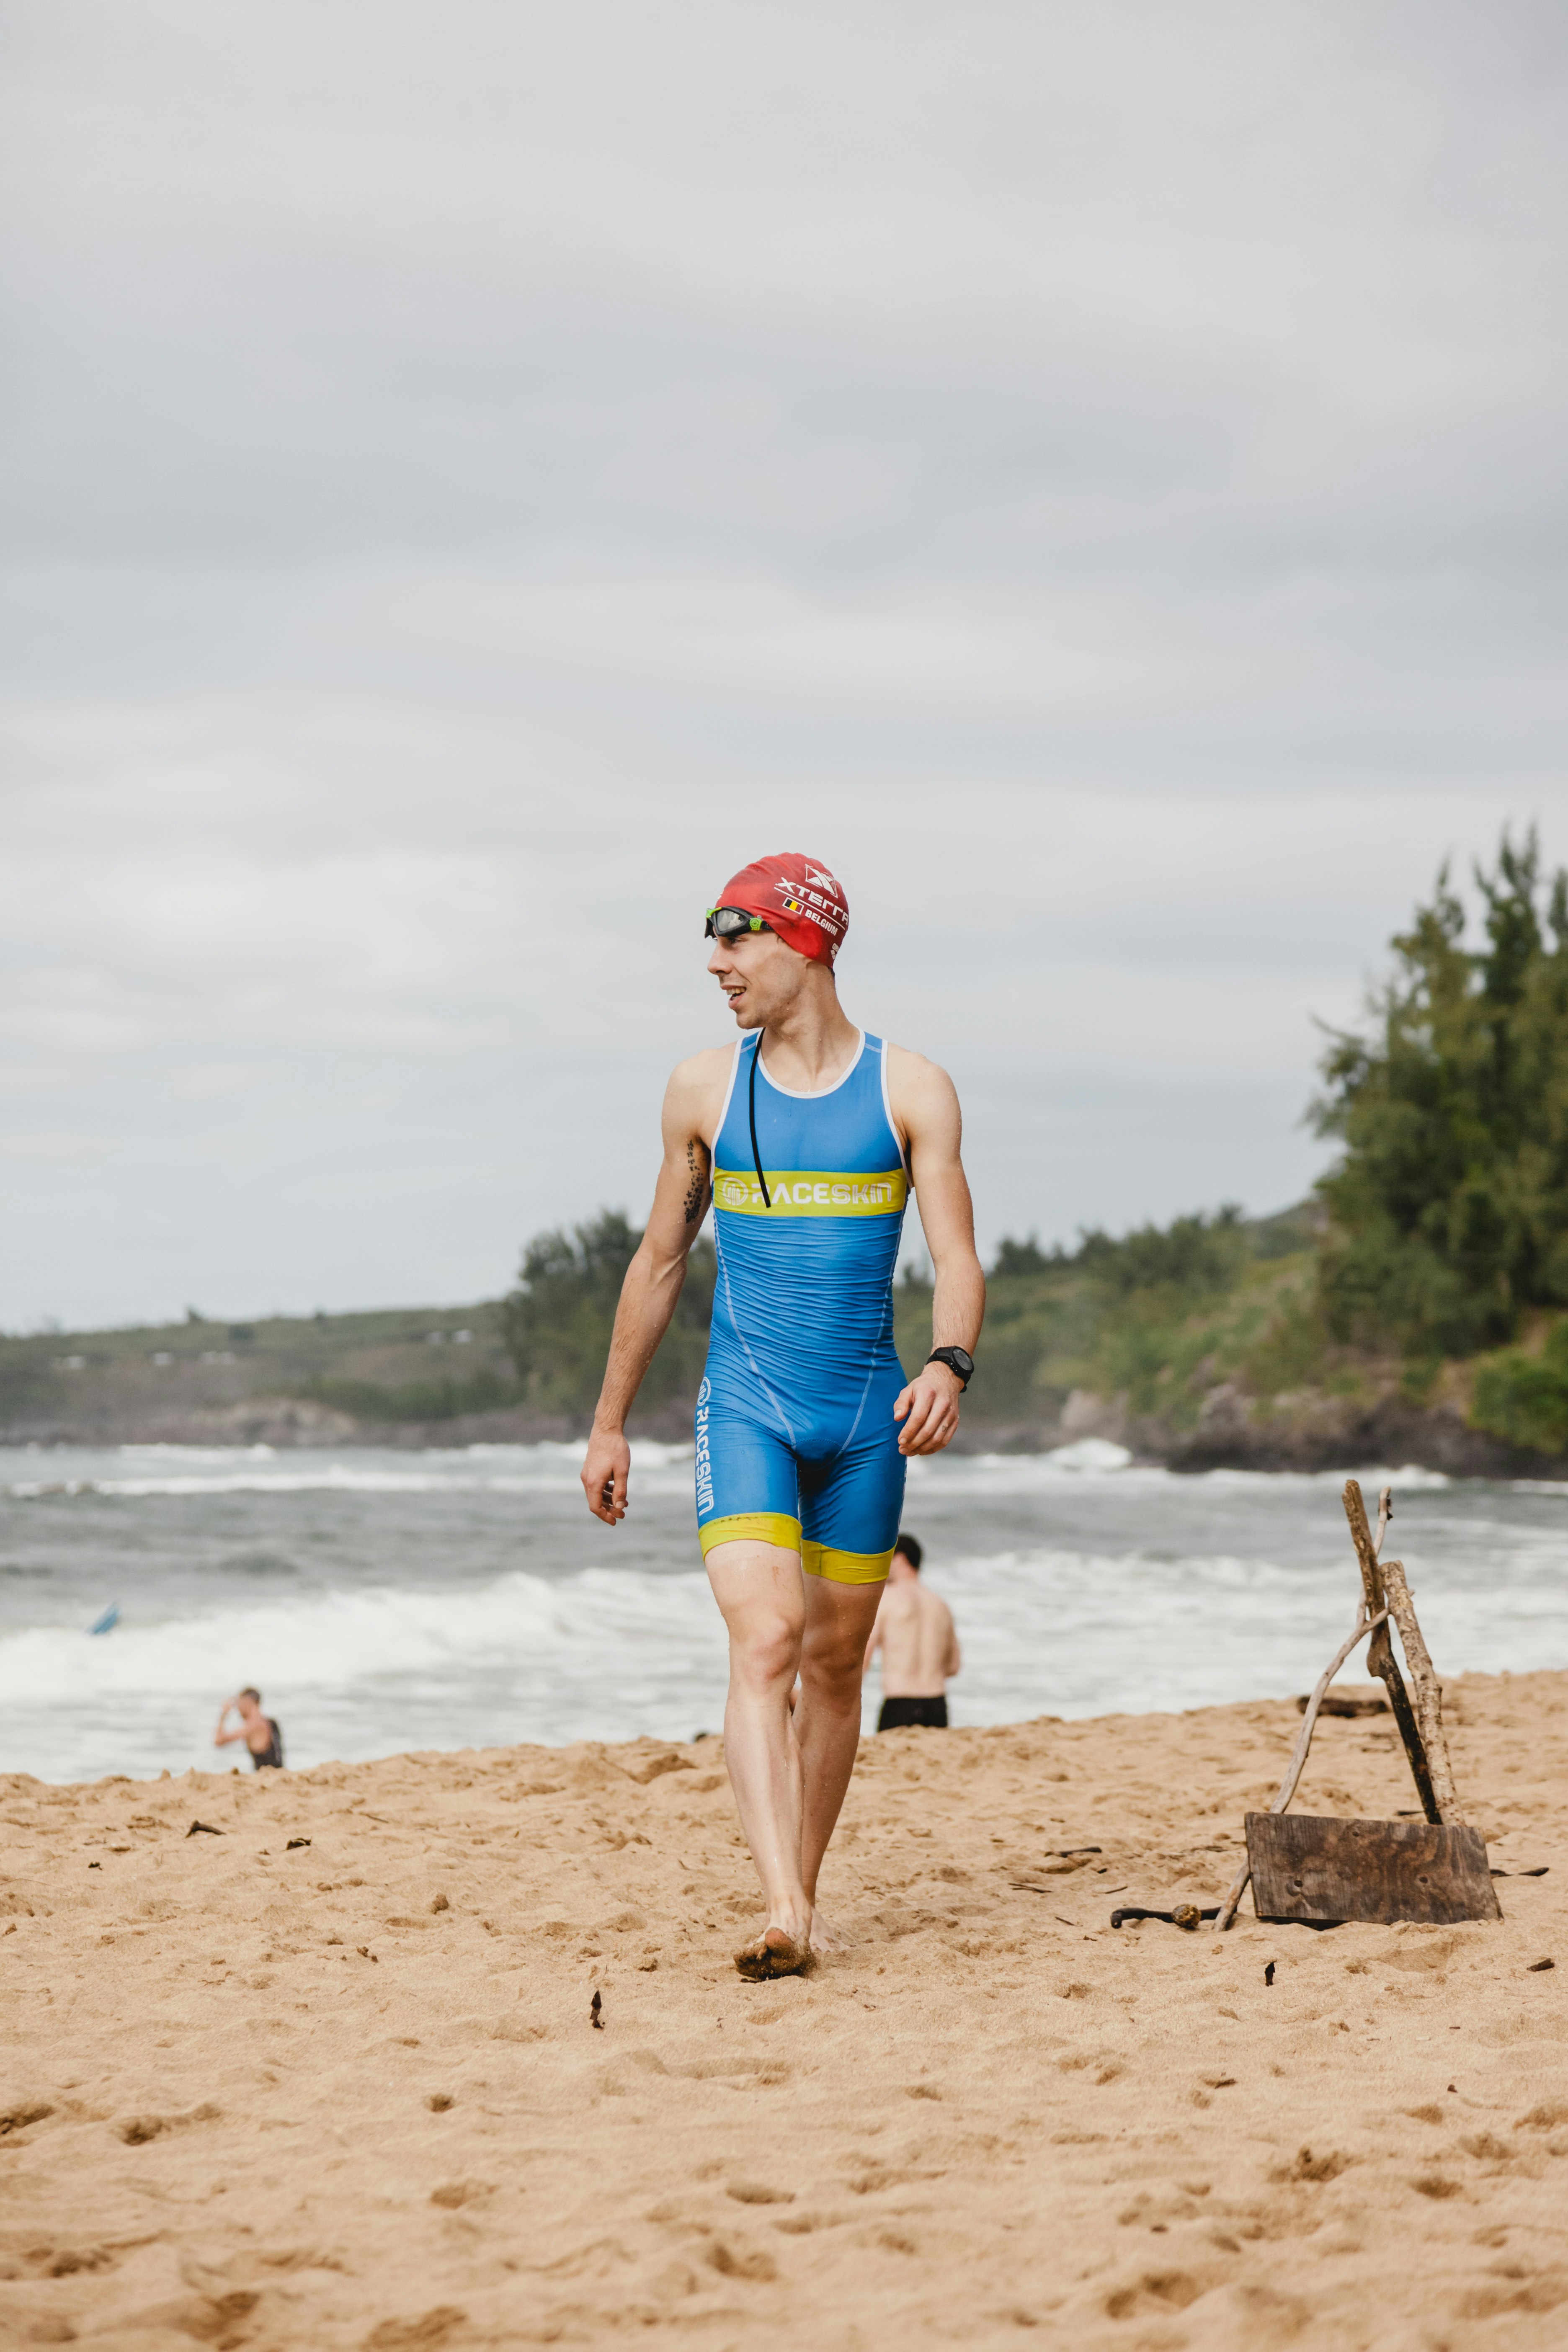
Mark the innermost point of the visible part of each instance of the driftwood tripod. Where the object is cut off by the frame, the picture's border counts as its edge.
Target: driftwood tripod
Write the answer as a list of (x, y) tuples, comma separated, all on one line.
[(1373, 1870)]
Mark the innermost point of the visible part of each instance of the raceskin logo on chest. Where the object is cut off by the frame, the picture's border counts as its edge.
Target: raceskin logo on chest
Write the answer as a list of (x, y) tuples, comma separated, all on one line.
[(811, 1192)]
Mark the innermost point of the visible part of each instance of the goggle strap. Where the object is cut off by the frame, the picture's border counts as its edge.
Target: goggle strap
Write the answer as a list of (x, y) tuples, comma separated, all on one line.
[(752, 1106)]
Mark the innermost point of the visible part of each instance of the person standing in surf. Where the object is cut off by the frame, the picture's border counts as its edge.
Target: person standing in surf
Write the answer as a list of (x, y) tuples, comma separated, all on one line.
[(258, 1731), (807, 1135)]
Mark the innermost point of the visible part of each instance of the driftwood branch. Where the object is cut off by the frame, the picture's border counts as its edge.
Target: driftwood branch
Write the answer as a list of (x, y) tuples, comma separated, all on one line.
[(1293, 1771), (1384, 1514), (1428, 1689), (1365, 1549), (1381, 1660)]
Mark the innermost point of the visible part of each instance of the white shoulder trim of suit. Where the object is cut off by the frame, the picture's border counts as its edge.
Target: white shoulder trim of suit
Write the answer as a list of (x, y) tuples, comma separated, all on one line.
[(725, 1112), (899, 1144)]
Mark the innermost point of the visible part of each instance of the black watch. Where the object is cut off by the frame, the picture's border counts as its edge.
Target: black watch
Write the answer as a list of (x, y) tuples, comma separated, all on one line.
[(957, 1360)]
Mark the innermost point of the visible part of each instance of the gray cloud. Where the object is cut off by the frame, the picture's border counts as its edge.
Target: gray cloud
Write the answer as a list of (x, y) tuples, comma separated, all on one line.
[(473, 478)]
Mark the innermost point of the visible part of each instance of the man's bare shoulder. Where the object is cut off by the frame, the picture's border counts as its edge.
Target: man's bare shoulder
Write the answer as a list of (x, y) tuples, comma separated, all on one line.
[(912, 1074), (921, 1094), (695, 1094), (708, 1068)]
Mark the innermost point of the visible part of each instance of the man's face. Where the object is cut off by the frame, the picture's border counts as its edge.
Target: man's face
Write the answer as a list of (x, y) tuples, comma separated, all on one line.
[(761, 977)]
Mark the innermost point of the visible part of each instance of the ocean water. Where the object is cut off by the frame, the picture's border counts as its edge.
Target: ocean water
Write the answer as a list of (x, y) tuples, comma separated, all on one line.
[(386, 1600)]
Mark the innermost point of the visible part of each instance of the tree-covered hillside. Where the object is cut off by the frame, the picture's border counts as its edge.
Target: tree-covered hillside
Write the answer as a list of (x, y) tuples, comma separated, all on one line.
[(557, 1323)]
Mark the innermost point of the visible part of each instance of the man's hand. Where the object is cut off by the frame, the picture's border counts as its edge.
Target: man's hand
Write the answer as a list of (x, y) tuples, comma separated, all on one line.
[(606, 1469), (931, 1403)]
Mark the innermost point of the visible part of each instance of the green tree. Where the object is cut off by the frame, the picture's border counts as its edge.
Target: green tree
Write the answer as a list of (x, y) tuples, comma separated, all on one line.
[(1525, 1397), (1192, 1258), (1448, 1211), (556, 1324), (1023, 1257)]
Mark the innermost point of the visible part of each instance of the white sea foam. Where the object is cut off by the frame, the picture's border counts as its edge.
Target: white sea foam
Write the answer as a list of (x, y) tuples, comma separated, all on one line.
[(1095, 1461), (135, 1471), (336, 1638)]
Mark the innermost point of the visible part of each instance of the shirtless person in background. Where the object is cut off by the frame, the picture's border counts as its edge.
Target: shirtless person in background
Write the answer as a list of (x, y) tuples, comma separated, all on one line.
[(914, 1631)]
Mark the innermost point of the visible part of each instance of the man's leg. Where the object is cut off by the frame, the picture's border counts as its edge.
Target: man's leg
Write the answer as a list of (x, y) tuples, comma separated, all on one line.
[(850, 1504), (839, 1621), (760, 1589)]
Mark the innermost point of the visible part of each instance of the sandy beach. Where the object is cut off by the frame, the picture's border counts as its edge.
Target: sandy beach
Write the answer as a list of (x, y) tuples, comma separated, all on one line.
[(330, 2077)]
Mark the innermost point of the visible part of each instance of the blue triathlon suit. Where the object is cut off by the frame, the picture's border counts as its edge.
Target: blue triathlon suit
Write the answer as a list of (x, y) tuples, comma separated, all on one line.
[(796, 1443)]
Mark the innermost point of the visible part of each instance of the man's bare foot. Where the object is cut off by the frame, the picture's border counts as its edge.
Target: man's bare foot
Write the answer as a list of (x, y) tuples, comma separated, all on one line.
[(826, 1938), (773, 1954)]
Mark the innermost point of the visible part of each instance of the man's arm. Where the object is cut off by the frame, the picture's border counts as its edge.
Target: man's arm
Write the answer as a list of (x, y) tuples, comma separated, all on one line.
[(925, 1105), (652, 1284), (953, 1660)]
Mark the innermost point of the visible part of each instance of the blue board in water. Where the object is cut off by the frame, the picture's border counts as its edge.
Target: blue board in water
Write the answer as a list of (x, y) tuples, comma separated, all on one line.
[(107, 1622)]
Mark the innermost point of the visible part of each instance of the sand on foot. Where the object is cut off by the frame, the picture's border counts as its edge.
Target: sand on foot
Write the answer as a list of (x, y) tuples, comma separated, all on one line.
[(773, 1954)]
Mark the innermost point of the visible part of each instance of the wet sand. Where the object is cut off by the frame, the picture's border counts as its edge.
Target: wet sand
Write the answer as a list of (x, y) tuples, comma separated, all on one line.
[(349, 2093)]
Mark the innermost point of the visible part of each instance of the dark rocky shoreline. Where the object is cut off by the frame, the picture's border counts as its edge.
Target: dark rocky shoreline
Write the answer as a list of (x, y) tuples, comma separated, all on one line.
[(1310, 1432)]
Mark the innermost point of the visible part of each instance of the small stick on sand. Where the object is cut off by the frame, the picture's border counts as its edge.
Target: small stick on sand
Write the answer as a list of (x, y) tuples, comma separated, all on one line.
[(1293, 1771), (1381, 1660)]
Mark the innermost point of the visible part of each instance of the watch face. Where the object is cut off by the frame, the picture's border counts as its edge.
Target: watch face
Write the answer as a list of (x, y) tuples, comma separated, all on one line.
[(963, 1361)]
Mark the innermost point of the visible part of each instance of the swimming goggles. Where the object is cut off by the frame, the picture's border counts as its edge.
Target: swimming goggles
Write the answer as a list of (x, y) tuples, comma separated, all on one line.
[(731, 923)]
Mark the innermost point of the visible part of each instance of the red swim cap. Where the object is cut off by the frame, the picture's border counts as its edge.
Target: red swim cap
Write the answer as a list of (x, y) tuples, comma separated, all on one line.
[(797, 897)]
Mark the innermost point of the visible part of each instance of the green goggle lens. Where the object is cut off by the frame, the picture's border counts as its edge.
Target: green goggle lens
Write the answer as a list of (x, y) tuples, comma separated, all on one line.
[(731, 923)]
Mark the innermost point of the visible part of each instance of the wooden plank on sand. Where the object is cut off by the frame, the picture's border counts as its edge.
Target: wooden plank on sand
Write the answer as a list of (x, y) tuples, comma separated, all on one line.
[(1305, 1866)]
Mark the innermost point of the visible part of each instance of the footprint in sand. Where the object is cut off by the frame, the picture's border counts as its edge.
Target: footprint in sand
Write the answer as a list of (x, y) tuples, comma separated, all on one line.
[(758, 2268), (18, 2119), (136, 2131), (66, 2262), (422, 2335), (1156, 2291)]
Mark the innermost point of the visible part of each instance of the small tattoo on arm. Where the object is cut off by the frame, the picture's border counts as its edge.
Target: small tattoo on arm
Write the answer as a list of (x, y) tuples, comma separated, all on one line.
[(697, 1161)]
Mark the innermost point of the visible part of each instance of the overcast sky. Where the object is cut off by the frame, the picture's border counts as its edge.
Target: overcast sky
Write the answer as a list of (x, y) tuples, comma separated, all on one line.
[(476, 475)]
